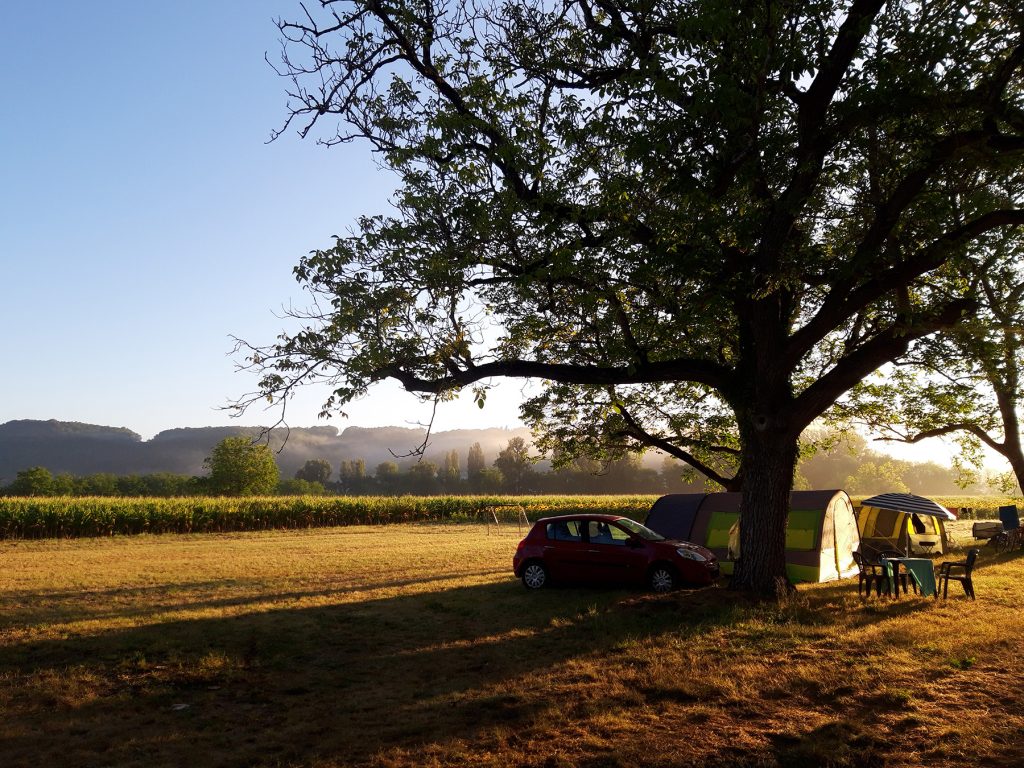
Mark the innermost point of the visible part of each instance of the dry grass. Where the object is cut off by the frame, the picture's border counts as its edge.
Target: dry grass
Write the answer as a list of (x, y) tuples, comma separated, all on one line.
[(325, 648)]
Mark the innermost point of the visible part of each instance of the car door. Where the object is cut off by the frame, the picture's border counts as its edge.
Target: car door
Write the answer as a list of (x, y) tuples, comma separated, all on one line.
[(565, 550), (613, 554)]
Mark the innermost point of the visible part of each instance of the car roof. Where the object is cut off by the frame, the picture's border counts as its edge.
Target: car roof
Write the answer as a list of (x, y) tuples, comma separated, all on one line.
[(582, 516)]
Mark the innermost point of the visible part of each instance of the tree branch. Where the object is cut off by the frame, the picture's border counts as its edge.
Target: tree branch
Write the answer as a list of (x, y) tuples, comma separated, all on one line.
[(695, 370), (638, 432), (868, 357)]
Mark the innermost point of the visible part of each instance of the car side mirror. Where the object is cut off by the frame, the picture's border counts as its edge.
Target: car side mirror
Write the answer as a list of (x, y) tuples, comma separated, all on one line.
[(634, 543)]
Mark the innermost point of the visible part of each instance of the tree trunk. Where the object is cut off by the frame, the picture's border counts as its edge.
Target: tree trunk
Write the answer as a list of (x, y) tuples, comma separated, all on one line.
[(769, 462), (1007, 399)]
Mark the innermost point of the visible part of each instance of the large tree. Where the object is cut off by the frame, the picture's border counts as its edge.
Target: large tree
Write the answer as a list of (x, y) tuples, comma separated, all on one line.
[(750, 202)]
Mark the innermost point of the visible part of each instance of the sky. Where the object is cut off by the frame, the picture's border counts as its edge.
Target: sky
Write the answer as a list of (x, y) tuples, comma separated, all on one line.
[(145, 219)]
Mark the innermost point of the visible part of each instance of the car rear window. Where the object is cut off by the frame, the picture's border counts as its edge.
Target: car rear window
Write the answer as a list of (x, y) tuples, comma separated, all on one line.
[(565, 530)]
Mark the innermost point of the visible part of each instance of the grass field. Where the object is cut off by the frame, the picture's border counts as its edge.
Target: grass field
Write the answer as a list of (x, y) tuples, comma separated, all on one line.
[(414, 645)]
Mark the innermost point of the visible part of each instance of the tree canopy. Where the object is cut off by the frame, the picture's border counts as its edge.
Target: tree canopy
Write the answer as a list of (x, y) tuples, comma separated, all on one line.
[(670, 210), (314, 471), (239, 467)]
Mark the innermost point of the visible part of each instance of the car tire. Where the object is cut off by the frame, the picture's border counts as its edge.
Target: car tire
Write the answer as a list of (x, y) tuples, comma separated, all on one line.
[(662, 578), (535, 575)]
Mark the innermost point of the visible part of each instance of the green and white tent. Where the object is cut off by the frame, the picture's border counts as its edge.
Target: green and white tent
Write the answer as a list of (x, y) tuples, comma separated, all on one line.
[(820, 538)]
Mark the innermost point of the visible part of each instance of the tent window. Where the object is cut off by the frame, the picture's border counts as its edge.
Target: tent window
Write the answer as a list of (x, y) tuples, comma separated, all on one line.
[(802, 530), (718, 529), (886, 523)]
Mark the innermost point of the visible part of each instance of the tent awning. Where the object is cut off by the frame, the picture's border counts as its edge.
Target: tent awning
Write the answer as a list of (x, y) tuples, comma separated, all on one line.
[(908, 502)]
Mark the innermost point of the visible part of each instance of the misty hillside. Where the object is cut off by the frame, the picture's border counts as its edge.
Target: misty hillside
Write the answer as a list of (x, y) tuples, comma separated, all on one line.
[(80, 449)]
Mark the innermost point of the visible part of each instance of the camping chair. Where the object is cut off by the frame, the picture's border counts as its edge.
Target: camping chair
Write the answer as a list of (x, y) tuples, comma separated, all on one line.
[(1010, 519), (1012, 535), (868, 575), (946, 573)]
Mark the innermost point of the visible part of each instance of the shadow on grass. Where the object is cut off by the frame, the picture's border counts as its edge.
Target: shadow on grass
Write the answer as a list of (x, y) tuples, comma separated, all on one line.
[(77, 605), (843, 743), (341, 683)]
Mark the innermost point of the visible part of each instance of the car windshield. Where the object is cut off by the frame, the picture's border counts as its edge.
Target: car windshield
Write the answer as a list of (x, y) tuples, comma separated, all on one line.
[(639, 530)]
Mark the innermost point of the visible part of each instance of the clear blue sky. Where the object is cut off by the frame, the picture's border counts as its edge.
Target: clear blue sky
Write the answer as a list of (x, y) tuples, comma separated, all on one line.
[(144, 218)]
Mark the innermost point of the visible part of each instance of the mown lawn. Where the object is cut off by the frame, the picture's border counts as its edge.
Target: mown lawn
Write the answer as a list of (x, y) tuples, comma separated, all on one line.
[(413, 645)]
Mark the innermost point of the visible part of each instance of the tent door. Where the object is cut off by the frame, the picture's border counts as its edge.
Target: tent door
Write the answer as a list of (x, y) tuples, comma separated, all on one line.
[(847, 537)]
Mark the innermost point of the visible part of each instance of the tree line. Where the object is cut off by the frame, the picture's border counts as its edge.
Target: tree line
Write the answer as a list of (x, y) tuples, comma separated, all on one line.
[(238, 467)]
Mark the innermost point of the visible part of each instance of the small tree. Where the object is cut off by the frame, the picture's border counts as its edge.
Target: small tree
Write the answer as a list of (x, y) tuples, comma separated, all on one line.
[(422, 478), (387, 476), (490, 480), (239, 467), (97, 484), (299, 487), (516, 465), (314, 471), (451, 475), (36, 481), (352, 476), (872, 478), (475, 461)]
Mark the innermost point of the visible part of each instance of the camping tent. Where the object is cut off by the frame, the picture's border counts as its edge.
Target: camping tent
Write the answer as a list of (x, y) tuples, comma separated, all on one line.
[(820, 538), (903, 522)]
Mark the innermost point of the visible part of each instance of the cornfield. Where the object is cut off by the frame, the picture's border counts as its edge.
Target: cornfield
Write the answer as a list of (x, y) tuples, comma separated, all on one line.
[(67, 517)]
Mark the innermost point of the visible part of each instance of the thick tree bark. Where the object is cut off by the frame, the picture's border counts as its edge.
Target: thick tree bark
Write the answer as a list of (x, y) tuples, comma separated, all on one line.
[(763, 404), (769, 461)]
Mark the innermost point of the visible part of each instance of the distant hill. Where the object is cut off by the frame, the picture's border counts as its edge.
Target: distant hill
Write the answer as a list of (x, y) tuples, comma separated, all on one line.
[(81, 449)]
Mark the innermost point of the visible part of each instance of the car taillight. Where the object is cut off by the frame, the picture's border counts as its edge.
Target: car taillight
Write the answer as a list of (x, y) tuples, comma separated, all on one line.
[(520, 545)]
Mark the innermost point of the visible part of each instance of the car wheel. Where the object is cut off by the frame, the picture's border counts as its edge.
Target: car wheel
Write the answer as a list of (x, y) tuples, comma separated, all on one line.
[(535, 575), (662, 579)]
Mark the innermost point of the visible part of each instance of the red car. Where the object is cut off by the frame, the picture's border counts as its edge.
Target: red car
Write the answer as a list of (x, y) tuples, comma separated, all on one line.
[(608, 549)]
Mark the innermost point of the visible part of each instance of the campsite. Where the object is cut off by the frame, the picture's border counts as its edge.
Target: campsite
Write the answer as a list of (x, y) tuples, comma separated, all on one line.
[(326, 647), (717, 300)]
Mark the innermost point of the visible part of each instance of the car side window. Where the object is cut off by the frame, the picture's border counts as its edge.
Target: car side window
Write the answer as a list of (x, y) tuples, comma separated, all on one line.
[(565, 531), (619, 536), (603, 533)]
